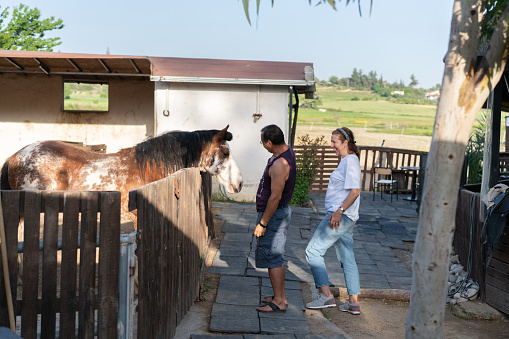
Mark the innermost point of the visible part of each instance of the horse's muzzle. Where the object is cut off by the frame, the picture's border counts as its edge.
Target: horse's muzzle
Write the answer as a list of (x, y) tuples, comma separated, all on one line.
[(235, 188)]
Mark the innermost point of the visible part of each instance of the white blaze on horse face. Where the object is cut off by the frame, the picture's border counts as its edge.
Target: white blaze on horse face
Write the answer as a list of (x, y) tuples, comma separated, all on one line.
[(226, 171)]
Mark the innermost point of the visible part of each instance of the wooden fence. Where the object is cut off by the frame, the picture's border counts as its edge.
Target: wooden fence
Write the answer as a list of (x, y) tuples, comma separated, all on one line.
[(495, 285), (80, 293), (172, 237), (371, 157)]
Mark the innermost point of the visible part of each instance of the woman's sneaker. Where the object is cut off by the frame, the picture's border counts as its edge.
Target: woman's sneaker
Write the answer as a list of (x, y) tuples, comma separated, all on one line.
[(354, 308), (322, 302)]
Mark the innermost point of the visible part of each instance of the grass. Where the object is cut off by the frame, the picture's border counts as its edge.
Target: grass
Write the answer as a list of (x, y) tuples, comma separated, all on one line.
[(86, 102), (370, 111)]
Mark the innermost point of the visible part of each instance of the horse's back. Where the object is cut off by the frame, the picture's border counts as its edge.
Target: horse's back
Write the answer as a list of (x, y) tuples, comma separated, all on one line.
[(50, 165)]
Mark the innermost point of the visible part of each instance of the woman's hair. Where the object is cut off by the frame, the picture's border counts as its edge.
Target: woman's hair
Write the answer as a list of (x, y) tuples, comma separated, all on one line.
[(345, 133)]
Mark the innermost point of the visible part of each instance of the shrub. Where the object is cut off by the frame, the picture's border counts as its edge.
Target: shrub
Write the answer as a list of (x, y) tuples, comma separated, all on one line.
[(475, 151), (307, 167)]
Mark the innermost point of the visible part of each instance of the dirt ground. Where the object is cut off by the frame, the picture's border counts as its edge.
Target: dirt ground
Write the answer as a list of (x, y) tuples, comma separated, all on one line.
[(380, 318)]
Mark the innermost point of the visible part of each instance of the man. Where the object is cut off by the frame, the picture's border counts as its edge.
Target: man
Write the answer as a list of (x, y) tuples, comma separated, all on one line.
[(274, 214)]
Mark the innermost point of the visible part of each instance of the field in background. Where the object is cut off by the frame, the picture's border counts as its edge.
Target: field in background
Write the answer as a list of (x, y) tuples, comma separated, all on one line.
[(372, 119)]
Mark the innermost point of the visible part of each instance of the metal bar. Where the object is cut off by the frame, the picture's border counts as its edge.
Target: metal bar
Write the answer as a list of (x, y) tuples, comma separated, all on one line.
[(74, 64), (124, 286), (42, 66), (104, 65), (14, 63), (134, 65), (72, 73)]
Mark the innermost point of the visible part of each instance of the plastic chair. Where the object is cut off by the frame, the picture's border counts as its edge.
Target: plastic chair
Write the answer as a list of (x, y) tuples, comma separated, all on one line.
[(391, 183)]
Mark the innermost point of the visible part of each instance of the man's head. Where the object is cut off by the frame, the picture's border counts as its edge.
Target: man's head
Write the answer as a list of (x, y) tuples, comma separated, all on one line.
[(274, 134)]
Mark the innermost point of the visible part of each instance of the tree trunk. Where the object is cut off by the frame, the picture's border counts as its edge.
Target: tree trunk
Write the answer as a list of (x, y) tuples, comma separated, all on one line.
[(465, 87)]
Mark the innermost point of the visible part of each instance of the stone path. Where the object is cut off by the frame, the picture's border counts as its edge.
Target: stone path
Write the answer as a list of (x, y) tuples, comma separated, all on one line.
[(382, 226)]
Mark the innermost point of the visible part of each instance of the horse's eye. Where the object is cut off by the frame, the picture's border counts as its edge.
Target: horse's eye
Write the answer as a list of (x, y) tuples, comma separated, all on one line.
[(226, 154)]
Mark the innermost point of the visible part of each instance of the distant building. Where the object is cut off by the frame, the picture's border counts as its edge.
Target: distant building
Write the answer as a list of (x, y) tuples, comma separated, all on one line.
[(398, 93), (432, 95)]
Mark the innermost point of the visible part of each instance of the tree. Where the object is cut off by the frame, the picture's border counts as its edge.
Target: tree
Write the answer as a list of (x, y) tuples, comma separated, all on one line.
[(413, 81), (26, 30)]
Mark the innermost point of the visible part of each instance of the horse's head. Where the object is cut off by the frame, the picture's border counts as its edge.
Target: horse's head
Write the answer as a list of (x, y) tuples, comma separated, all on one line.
[(217, 159)]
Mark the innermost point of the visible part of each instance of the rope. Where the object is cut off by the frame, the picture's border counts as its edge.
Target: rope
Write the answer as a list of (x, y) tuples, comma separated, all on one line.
[(464, 285), (223, 192)]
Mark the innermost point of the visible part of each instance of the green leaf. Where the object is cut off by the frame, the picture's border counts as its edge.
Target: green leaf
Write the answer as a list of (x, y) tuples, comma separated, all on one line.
[(332, 3), (246, 10)]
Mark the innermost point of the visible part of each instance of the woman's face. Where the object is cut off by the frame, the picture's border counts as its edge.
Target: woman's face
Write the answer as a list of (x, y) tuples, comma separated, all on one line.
[(340, 147)]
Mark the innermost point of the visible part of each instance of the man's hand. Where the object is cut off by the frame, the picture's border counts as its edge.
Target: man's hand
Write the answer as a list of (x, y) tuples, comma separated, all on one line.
[(259, 231)]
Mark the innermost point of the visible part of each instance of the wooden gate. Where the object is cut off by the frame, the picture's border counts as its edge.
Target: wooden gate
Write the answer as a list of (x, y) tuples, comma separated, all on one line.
[(172, 237), (88, 287)]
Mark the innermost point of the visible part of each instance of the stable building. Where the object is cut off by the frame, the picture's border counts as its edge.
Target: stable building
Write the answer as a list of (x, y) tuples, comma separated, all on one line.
[(146, 96)]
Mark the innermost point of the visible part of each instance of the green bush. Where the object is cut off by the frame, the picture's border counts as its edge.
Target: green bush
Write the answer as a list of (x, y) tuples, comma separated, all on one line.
[(475, 151), (308, 164)]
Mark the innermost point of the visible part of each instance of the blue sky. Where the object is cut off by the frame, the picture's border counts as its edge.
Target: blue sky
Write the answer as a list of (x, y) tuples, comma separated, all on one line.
[(400, 37)]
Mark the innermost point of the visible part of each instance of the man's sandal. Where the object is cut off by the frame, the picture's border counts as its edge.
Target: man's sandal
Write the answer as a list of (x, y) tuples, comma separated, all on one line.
[(263, 303), (275, 308)]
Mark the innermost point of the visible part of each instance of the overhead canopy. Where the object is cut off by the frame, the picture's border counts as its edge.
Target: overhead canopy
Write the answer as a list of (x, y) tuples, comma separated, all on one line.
[(75, 65)]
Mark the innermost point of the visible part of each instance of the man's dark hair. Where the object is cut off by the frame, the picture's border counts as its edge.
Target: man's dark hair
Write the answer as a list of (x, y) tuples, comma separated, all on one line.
[(274, 134)]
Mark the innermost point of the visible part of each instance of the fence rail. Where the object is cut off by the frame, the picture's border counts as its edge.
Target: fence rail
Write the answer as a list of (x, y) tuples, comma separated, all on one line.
[(77, 213), (174, 218), (370, 157)]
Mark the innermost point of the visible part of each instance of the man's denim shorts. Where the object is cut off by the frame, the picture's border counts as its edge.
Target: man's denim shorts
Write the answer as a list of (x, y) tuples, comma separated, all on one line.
[(270, 248)]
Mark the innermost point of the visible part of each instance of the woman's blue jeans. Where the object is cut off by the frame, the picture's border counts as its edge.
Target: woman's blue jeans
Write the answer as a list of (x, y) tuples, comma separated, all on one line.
[(342, 239)]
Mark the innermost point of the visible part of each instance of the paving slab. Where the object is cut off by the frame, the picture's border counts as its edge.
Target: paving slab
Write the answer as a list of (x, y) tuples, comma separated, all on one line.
[(234, 319), (277, 326)]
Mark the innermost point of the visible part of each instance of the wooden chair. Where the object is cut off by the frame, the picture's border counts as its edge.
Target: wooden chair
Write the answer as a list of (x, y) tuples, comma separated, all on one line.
[(389, 182)]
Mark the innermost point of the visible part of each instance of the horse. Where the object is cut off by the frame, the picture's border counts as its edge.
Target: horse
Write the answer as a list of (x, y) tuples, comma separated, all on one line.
[(55, 165)]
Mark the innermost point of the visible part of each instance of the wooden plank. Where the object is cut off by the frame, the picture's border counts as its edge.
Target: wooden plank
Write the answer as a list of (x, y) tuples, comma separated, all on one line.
[(497, 299), (10, 206), (49, 269), (89, 207), (142, 248), (68, 303), (501, 284), (109, 253), (30, 264), (162, 199), (173, 204)]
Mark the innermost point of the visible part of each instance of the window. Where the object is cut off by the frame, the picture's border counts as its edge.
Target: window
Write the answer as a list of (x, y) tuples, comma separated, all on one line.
[(80, 96)]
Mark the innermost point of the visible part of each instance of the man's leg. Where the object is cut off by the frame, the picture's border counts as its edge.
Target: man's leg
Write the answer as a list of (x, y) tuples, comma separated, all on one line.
[(277, 279)]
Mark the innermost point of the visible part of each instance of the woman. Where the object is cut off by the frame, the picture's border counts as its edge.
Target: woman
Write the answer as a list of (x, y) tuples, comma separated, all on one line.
[(336, 228)]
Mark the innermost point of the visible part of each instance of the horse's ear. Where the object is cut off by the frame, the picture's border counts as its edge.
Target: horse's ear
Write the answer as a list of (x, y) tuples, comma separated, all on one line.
[(223, 135)]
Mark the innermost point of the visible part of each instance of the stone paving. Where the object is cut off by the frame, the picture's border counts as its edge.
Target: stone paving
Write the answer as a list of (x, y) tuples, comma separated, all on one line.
[(382, 225)]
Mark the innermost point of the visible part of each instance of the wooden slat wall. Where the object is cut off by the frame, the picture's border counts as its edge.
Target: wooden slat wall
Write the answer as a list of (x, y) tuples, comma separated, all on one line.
[(497, 278), (495, 289), (85, 300), (172, 235), (462, 237), (371, 157)]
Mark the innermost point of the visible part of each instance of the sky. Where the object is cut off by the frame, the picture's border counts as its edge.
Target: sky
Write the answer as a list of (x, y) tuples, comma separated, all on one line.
[(398, 39)]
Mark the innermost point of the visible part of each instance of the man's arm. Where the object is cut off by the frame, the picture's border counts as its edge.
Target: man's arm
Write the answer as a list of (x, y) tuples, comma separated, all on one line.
[(279, 172)]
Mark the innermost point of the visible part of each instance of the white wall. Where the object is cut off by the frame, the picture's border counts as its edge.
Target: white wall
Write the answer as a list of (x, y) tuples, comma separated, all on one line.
[(30, 110), (213, 106)]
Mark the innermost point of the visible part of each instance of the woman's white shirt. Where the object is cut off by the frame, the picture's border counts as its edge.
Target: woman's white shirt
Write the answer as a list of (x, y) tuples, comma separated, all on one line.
[(345, 177)]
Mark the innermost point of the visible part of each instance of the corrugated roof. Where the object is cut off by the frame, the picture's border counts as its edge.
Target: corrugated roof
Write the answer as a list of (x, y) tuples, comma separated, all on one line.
[(297, 74)]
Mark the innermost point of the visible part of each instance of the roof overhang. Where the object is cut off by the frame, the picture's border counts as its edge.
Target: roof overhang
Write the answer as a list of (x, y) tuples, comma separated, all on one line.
[(183, 70), (74, 65)]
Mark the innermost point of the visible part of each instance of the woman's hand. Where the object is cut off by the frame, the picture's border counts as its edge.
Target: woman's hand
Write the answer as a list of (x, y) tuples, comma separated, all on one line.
[(335, 219)]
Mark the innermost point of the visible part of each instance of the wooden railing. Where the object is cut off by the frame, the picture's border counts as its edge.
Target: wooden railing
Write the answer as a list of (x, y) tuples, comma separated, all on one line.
[(370, 157), (174, 219)]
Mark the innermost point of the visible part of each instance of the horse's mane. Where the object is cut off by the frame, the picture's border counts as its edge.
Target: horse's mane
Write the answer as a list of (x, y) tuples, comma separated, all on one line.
[(173, 151)]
